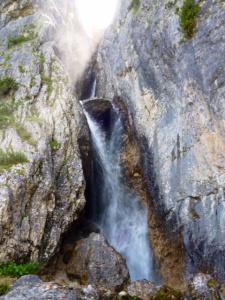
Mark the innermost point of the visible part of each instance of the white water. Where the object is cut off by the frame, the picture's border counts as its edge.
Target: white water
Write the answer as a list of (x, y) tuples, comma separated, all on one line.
[(121, 217)]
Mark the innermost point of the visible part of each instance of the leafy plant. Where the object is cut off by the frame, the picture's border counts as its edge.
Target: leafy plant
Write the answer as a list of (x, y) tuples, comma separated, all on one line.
[(16, 270), (21, 69), (54, 145), (4, 288), (20, 39), (7, 84), (10, 158), (188, 17)]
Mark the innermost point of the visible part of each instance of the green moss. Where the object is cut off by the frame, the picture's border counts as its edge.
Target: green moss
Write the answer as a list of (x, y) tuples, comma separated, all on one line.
[(21, 69), (20, 39), (10, 158), (54, 145), (167, 293), (16, 270), (7, 84), (188, 17), (135, 5), (4, 288), (212, 283)]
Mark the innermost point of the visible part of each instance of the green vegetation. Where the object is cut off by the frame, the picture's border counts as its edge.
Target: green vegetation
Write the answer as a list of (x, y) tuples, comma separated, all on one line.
[(212, 283), (14, 41), (7, 84), (170, 4), (54, 145), (21, 69), (16, 270), (48, 81), (188, 17), (8, 159), (4, 288), (135, 5), (6, 116), (167, 293)]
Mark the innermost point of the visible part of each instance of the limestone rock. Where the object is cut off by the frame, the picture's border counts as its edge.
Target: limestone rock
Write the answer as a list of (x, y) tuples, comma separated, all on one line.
[(95, 262), (204, 287), (41, 181), (142, 289), (175, 91), (31, 287)]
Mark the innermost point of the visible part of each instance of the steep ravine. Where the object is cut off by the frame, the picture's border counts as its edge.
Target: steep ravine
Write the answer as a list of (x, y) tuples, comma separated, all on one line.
[(152, 135)]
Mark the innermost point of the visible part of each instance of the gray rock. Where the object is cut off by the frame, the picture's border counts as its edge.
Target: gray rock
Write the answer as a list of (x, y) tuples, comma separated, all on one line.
[(40, 199), (176, 93), (142, 289), (203, 287), (29, 287), (95, 262)]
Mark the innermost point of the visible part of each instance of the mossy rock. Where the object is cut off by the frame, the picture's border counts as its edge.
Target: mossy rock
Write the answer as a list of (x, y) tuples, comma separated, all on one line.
[(167, 293)]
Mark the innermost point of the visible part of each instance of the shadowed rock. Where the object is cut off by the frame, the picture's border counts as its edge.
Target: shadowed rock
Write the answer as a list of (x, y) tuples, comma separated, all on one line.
[(95, 262)]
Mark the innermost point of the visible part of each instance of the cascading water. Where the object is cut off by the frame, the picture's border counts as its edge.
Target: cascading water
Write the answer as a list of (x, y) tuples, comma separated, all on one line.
[(117, 211)]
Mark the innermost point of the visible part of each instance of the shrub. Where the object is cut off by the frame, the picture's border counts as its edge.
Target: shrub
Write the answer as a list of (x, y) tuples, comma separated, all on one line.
[(20, 39), (54, 145), (167, 293), (4, 288), (7, 84), (135, 5), (10, 158), (16, 270), (188, 17)]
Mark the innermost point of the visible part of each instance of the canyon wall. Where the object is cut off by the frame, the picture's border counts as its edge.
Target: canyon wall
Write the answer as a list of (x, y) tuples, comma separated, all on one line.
[(174, 89)]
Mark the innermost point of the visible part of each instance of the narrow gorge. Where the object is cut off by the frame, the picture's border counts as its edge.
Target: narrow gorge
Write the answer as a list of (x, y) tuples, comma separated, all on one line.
[(112, 150)]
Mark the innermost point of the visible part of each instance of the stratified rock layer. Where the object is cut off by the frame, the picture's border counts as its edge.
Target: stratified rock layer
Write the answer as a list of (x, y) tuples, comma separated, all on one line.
[(175, 91), (41, 198)]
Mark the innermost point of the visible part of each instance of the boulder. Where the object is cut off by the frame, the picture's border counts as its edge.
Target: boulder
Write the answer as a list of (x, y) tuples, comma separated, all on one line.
[(95, 262), (142, 289), (32, 287)]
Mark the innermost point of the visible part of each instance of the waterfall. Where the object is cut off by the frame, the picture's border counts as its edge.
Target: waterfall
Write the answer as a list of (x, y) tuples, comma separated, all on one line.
[(117, 211)]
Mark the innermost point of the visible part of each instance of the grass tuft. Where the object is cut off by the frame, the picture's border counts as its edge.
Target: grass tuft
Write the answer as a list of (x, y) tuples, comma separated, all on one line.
[(188, 17), (10, 158), (54, 145), (4, 288), (12, 269), (20, 39), (7, 84)]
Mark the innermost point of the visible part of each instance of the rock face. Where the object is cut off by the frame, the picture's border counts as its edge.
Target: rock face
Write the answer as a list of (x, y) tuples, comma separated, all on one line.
[(95, 262), (204, 287), (41, 177), (142, 290), (31, 287), (175, 91)]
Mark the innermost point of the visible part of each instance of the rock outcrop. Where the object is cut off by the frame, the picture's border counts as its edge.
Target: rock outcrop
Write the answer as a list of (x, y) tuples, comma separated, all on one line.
[(175, 91), (41, 177), (95, 262), (32, 287)]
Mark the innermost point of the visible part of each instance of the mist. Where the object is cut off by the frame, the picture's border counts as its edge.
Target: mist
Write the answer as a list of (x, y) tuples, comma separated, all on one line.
[(77, 28)]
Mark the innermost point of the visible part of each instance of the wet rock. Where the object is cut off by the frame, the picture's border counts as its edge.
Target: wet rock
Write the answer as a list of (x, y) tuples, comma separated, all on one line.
[(142, 289), (31, 287), (95, 262), (204, 287), (175, 92)]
